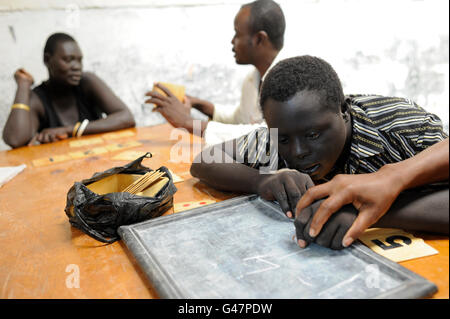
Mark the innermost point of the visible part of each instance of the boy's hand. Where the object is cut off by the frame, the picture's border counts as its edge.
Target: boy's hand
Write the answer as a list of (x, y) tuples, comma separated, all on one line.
[(371, 194), (332, 232), (286, 186)]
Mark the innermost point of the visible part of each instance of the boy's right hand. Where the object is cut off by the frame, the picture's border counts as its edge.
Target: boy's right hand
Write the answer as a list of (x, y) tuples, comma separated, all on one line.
[(286, 186), (332, 233), (23, 77)]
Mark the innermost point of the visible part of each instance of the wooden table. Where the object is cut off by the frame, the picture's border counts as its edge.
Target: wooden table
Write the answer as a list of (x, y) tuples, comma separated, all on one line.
[(40, 253)]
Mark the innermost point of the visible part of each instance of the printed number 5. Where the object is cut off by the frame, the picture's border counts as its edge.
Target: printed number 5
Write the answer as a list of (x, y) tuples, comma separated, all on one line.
[(391, 241)]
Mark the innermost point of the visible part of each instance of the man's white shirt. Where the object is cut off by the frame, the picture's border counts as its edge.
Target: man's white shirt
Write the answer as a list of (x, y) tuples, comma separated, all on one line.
[(229, 123)]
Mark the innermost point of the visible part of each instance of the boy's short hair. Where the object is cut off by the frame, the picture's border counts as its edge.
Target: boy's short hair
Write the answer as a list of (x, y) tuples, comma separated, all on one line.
[(54, 39), (300, 73), (266, 15)]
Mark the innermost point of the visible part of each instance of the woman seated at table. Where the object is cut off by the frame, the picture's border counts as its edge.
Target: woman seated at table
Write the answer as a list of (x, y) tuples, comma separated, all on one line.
[(70, 103)]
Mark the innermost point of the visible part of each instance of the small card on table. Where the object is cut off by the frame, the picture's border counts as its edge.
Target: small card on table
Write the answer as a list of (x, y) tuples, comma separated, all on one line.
[(395, 244)]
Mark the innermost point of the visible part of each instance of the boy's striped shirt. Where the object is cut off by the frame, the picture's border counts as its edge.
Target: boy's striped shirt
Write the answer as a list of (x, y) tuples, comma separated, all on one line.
[(384, 130)]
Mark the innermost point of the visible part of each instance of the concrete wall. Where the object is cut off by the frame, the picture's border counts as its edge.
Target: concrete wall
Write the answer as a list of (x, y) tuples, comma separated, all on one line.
[(376, 46)]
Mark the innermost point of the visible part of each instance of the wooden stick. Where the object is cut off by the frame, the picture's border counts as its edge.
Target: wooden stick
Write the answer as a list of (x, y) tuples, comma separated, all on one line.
[(129, 187), (143, 182), (138, 182), (148, 183)]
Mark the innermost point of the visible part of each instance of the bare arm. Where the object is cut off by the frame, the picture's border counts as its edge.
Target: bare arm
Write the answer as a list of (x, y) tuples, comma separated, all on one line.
[(425, 210), (119, 116), (419, 211), (429, 166), (21, 124), (203, 106), (217, 167)]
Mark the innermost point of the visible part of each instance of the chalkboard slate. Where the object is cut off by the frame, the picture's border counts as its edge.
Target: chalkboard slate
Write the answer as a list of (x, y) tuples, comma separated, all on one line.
[(244, 248)]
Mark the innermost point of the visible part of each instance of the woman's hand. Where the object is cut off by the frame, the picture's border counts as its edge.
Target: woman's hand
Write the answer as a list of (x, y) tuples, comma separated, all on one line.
[(49, 135), (23, 77)]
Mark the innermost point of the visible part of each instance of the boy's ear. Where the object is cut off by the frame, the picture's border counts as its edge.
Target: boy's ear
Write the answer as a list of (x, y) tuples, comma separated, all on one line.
[(345, 110)]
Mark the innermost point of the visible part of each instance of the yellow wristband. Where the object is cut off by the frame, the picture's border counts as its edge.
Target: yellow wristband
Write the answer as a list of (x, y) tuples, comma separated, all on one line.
[(75, 129), (21, 106)]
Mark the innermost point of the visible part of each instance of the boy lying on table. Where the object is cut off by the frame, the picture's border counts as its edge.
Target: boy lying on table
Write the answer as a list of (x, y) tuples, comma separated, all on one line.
[(365, 154)]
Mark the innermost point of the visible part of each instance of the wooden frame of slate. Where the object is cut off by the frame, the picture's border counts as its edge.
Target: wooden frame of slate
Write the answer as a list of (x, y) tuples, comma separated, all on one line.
[(245, 248)]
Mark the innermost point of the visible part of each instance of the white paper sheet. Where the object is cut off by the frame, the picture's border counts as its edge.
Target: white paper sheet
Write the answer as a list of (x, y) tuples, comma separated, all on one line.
[(8, 172)]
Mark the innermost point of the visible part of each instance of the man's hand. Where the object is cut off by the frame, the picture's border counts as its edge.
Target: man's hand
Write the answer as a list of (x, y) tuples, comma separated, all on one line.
[(50, 135), (187, 102), (371, 194), (203, 106), (286, 186), (173, 110), (23, 77)]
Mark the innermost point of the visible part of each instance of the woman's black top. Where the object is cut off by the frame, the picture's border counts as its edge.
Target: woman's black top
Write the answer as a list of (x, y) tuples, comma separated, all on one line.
[(51, 118)]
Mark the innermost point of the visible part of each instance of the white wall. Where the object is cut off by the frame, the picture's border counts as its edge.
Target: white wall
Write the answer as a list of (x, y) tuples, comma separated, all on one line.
[(377, 46)]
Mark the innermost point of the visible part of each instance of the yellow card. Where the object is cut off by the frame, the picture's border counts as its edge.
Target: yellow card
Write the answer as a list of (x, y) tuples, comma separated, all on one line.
[(175, 177), (176, 89), (51, 160), (87, 153), (130, 155), (121, 146), (86, 142), (114, 135), (179, 207), (395, 244)]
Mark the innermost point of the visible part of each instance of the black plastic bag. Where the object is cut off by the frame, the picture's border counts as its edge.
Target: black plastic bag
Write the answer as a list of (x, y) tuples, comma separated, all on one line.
[(99, 216)]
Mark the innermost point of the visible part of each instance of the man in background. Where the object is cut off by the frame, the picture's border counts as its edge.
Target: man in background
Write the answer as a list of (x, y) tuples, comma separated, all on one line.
[(258, 39)]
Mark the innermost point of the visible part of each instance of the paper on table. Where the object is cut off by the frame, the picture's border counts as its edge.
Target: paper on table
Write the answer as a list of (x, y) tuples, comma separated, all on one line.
[(175, 177), (8, 172)]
